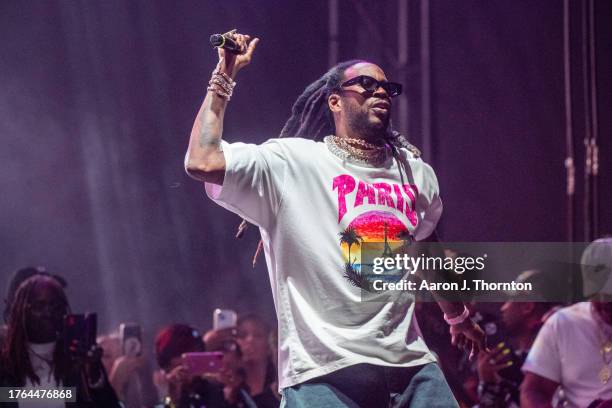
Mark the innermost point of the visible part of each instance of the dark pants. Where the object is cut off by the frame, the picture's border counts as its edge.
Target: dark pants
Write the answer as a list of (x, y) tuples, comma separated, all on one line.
[(366, 385)]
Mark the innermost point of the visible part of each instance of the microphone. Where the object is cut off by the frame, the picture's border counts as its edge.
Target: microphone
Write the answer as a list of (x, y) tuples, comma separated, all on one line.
[(220, 41)]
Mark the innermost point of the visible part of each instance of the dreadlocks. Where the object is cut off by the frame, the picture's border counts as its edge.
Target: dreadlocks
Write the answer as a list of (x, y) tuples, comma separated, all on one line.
[(19, 276), (15, 358), (311, 118)]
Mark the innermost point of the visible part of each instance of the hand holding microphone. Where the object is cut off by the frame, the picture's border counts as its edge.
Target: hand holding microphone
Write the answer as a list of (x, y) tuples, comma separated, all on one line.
[(235, 50), (224, 41)]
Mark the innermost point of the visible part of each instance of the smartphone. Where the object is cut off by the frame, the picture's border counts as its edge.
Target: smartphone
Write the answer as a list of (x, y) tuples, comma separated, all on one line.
[(131, 339), (224, 318), (203, 362), (79, 333)]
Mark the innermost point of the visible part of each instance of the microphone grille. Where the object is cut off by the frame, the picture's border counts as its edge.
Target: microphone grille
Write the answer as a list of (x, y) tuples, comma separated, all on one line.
[(217, 40)]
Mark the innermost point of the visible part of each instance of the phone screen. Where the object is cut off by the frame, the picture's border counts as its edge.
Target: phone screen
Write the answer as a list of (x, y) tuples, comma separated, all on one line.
[(131, 339), (224, 318), (203, 362), (79, 333)]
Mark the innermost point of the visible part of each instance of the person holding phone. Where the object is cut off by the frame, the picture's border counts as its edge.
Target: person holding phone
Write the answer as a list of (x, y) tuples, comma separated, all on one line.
[(337, 176), (34, 357), (129, 371), (249, 370), (180, 386)]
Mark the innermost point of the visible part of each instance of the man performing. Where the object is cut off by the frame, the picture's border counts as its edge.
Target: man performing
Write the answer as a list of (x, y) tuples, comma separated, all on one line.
[(312, 200)]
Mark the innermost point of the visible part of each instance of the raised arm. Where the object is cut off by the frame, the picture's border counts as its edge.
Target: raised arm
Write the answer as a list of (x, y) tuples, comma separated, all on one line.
[(205, 160)]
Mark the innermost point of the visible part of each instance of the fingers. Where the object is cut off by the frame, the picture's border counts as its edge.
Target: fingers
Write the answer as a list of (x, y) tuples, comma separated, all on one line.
[(240, 39), (94, 352), (500, 356), (468, 345), (229, 376), (461, 342), (503, 365), (230, 32), (476, 334), (244, 41), (178, 374), (229, 333), (497, 350), (251, 48), (216, 340), (501, 362), (473, 351)]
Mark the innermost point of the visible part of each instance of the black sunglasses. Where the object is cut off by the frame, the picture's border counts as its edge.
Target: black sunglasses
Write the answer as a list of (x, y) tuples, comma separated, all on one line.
[(371, 85)]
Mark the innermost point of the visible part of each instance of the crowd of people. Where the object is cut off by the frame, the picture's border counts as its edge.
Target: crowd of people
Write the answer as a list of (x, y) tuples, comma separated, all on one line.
[(540, 353), (35, 355), (38, 350)]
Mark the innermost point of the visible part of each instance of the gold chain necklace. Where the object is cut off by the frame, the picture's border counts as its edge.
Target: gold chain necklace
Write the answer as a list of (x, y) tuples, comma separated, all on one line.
[(605, 348), (369, 153), (360, 142)]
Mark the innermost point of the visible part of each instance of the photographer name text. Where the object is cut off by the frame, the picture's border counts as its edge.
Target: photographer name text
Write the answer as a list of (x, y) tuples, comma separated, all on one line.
[(475, 284)]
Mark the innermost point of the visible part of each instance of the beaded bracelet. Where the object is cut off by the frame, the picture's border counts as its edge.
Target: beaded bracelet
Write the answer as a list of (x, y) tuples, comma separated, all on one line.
[(457, 319), (221, 84)]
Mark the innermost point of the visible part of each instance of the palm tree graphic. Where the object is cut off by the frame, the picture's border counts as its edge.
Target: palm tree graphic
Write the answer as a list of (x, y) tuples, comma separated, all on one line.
[(351, 237)]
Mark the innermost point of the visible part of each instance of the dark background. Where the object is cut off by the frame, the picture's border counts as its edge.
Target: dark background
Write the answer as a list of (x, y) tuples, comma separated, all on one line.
[(98, 99)]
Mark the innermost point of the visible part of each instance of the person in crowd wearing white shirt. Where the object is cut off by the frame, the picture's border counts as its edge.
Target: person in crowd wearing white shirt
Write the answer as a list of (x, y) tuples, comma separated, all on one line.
[(33, 354), (314, 201), (573, 350)]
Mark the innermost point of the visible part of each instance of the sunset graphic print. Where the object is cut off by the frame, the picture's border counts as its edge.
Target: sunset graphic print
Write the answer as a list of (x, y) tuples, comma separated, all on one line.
[(377, 210)]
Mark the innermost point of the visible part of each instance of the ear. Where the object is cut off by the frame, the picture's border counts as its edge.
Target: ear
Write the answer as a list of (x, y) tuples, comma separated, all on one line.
[(334, 102)]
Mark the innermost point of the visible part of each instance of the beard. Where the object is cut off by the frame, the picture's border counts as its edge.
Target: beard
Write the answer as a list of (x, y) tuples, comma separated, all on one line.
[(360, 123)]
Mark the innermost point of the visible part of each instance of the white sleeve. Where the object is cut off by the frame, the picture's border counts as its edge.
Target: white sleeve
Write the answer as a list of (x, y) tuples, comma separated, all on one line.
[(253, 182), (433, 212), (544, 358), (429, 222)]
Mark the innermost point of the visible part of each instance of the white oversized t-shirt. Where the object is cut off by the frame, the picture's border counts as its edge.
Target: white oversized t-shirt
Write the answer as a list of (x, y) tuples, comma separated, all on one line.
[(567, 351), (302, 197)]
